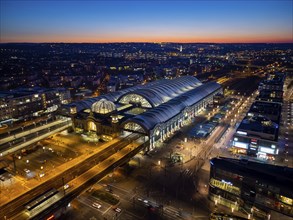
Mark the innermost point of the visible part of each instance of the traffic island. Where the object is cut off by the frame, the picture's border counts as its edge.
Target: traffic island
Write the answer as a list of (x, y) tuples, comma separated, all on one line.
[(105, 196)]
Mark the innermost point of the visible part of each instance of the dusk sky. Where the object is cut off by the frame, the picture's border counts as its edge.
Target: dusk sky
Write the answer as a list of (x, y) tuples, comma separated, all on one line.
[(146, 21)]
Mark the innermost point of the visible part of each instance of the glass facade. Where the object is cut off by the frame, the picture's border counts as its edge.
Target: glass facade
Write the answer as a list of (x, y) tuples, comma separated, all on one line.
[(137, 99), (251, 186), (226, 186)]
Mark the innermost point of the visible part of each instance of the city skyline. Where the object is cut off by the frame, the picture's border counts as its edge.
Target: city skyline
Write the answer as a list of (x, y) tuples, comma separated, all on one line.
[(146, 21)]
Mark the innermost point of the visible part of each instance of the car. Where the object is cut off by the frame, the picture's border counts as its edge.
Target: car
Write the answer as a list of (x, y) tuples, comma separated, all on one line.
[(26, 170), (66, 186), (116, 209), (109, 190), (96, 205)]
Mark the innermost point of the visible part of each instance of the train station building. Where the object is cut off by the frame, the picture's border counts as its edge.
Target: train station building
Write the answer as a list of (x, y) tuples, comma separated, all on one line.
[(156, 110)]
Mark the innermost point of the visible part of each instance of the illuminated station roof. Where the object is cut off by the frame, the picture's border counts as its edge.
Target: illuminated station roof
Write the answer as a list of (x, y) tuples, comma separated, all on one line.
[(161, 99), (162, 91), (155, 93), (149, 119), (103, 106)]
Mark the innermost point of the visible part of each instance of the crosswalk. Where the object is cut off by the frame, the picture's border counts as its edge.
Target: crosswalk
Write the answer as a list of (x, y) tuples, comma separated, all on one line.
[(170, 212), (131, 216)]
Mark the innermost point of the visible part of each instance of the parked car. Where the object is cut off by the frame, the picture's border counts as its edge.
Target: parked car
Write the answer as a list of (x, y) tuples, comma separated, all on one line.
[(96, 205), (116, 209)]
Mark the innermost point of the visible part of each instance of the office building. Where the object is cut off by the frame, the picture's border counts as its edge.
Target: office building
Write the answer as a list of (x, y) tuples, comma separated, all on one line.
[(26, 103), (254, 188)]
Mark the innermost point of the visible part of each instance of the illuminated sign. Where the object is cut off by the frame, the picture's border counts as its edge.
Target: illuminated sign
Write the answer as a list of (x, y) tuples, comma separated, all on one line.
[(240, 144), (253, 141), (241, 132), (229, 183), (267, 150)]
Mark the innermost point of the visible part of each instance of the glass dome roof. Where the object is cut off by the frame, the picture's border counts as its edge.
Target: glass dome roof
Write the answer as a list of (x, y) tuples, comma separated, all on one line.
[(103, 106)]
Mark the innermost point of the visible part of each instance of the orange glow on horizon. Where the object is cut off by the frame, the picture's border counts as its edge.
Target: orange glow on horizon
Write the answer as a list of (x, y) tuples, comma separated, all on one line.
[(136, 36), (58, 39)]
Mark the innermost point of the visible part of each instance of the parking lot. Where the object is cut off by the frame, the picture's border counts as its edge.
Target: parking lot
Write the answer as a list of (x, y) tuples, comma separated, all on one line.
[(44, 156)]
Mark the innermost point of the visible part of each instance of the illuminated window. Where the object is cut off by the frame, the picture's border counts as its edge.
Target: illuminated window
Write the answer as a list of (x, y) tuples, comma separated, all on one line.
[(224, 185), (157, 132), (92, 126), (134, 127), (73, 110), (286, 200), (134, 98)]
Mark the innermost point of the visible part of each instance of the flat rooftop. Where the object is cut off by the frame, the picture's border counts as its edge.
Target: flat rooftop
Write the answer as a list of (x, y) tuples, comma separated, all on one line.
[(259, 124), (266, 109), (15, 93), (277, 175), (275, 78), (266, 95), (202, 130)]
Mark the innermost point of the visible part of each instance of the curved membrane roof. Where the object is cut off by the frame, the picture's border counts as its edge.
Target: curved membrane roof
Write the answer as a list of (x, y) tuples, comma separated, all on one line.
[(168, 110), (113, 97), (156, 92), (163, 90), (167, 97)]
